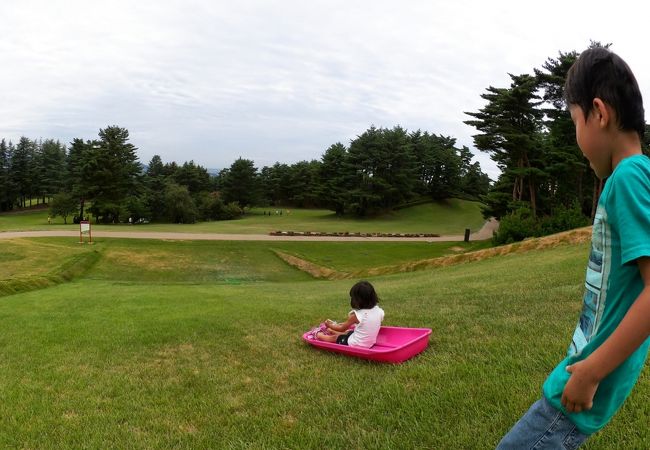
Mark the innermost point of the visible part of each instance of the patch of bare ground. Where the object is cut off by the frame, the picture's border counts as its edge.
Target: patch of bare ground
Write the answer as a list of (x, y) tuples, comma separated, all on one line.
[(312, 269)]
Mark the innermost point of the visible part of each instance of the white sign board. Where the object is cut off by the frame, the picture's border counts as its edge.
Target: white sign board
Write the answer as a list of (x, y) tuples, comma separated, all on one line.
[(85, 227)]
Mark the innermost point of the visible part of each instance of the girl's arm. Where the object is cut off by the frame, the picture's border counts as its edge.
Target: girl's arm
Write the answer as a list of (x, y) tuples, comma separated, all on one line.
[(352, 319)]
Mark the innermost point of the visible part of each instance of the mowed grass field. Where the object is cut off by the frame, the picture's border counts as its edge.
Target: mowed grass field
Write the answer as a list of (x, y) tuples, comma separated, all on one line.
[(190, 345), (444, 218)]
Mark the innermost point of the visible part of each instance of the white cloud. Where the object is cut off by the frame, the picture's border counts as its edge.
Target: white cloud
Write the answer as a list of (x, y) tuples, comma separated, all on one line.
[(279, 80)]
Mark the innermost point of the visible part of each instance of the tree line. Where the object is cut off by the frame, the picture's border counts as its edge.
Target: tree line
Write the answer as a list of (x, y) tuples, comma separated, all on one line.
[(546, 183), (380, 169)]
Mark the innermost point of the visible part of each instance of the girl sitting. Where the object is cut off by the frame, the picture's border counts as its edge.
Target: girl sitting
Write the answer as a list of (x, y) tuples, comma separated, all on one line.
[(366, 315)]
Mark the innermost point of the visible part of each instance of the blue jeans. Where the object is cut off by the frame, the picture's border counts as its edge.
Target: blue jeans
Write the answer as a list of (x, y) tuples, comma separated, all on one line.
[(543, 427)]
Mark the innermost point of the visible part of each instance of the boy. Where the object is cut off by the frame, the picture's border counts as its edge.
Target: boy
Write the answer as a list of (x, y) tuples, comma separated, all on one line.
[(611, 342)]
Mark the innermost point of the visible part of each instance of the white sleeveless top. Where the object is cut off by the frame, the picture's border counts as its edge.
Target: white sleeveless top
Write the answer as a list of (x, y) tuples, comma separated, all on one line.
[(365, 332)]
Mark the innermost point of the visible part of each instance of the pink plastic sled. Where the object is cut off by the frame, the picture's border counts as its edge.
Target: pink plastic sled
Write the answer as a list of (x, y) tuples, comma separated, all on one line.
[(394, 345)]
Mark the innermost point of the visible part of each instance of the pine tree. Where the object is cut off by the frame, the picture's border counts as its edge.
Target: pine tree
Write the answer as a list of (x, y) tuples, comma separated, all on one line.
[(154, 188), (6, 200), (303, 181), (155, 167), (570, 178), (110, 173), (74, 183), (194, 177), (53, 167), (510, 126), (380, 170), (332, 190), (20, 173), (240, 184)]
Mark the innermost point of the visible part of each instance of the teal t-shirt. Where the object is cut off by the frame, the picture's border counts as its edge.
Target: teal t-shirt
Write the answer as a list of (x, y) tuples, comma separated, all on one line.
[(621, 234)]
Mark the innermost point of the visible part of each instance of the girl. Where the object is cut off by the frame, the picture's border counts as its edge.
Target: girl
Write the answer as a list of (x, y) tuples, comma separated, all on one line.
[(365, 315)]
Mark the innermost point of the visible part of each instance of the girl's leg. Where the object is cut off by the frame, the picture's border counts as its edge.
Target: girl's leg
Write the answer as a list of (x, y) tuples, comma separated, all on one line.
[(326, 337), (336, 333)]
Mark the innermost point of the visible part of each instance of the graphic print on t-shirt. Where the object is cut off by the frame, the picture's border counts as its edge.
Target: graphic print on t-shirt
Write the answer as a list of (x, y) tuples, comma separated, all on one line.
[(595, 284)]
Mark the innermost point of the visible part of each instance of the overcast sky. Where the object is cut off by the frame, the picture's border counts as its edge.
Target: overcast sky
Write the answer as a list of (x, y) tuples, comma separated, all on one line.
[(211, 81)]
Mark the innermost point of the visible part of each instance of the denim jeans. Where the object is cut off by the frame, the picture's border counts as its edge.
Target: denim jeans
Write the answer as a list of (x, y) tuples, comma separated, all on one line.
[(543, 427)]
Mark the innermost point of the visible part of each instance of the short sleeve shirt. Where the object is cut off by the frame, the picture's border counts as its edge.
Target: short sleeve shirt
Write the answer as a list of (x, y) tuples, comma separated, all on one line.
[(621, 235), (366, 331)]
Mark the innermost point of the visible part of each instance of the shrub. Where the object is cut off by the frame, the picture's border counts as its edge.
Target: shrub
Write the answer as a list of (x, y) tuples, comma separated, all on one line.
[(516, 226), (232, 211), (520, 224), (64, 205), (563, 219), (211, 207), (179, 206)]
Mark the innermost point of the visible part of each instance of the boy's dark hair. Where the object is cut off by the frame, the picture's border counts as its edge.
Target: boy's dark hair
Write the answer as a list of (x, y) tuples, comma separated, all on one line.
[(363, 296), (600, 73)]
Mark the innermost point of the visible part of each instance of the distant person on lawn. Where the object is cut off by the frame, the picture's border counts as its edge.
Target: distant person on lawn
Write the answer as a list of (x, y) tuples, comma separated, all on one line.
[(610, 342)]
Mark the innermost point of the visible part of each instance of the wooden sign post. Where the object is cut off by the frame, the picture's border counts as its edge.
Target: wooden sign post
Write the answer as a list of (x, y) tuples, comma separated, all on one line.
[(84, 228)]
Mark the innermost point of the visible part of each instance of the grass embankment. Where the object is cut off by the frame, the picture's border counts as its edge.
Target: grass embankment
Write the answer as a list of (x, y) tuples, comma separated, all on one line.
[(450, 217), (192, 262), (29, 265), (347, 265), (128, 357)]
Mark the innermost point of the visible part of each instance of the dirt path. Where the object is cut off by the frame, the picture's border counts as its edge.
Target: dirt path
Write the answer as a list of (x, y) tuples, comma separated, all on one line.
[(484, 233)]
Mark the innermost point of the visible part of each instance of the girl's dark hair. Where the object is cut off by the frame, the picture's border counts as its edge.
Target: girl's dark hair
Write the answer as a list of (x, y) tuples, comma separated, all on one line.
[(363, 296), (600, 73)]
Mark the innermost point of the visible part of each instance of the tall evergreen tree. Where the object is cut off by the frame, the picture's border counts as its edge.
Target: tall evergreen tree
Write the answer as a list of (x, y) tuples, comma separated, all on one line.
[(570, 178), (445, 168), (440, 165), (510, 126), (78, 154), (20, 173), (155, 167), (399, 169), (275, 184), (240, 183), (110, 173), (54, 167), (475, 182), (154, 186), (303, 181), (380, 169), (361, 168), (6, 199), (332, 189), (194, 177), (36, 171)]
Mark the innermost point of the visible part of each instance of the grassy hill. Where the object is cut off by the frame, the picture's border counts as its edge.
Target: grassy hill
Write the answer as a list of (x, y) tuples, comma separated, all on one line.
[(197, 345), (450, 217)]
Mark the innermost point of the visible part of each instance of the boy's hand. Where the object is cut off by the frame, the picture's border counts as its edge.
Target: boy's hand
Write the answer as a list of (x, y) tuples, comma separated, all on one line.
[(579, 391)]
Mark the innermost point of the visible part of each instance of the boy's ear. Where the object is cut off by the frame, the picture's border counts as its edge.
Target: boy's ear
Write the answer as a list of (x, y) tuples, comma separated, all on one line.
[(601, 112)]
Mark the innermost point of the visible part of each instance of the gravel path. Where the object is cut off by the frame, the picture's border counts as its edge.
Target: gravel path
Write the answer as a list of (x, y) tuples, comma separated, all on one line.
[(483, 233)]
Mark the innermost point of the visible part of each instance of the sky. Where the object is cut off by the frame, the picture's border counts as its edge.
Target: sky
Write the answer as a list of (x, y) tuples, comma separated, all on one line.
[(281, 81)]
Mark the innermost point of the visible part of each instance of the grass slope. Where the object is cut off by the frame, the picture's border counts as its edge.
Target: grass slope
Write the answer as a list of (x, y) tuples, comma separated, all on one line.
[(152, 261), (104, 363)]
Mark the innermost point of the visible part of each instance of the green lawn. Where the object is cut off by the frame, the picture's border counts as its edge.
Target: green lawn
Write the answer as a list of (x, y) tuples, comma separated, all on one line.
[(357, 256), (140, 355), (451, 217), (152, 261)]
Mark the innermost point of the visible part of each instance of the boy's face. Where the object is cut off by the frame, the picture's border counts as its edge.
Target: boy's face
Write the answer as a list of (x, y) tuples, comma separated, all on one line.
[(592, 140)]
